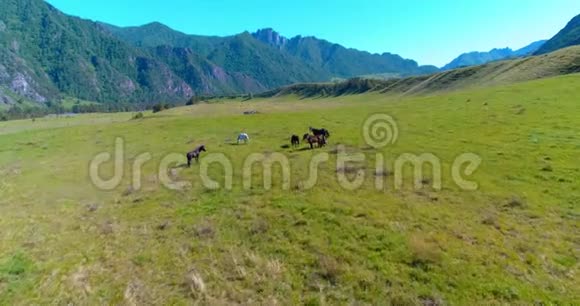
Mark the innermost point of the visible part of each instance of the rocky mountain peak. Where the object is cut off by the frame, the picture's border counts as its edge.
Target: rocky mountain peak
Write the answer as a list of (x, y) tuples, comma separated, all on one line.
[(271, 37)]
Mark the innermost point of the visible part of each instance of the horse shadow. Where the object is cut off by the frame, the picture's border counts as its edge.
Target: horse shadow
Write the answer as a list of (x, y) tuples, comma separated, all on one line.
[(304, 149)]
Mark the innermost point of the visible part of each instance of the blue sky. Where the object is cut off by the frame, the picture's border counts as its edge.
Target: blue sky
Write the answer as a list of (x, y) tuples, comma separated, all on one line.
[(428, 31)]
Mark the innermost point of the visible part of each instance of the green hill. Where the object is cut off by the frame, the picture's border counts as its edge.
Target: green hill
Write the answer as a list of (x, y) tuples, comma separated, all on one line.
[(258, 65), (242, 53), (207, 77), (272, 59), (45, 53), (568, 36), (156, 34), (564, 61)]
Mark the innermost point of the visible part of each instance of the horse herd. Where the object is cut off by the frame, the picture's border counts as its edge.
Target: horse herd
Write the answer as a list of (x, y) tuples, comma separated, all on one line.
[(316, 136)]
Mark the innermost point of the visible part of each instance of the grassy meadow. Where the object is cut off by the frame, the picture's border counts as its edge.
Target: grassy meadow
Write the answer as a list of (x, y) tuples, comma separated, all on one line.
[(515, 240)]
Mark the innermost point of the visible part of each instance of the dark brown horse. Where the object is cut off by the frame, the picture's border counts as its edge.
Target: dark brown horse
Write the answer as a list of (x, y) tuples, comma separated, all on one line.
[(195, 154), (312, 139), (320, 132), (295, 140)]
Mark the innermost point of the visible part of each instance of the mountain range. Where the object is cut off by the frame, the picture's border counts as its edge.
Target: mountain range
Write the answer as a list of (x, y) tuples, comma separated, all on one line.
[(46, 55), (479, 58), (568, 36)]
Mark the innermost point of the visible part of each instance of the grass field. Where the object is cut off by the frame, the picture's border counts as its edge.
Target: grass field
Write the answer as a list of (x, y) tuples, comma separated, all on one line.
[(514, 240)]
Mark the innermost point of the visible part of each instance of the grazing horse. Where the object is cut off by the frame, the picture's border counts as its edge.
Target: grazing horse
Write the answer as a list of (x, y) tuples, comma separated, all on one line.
[(313, 139), (295, 140), (195, 154), (320, 132), (243, 137)]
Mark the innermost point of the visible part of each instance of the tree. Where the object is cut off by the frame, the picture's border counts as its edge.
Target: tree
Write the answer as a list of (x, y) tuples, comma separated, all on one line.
[(160, 107), (193, 100)]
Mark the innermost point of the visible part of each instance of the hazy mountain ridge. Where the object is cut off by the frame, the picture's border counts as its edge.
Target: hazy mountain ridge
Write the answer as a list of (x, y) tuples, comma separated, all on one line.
[(479, 58)]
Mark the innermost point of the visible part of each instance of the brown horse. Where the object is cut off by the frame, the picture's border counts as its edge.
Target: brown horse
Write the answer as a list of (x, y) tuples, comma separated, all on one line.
[(320, 132), (195, 154), (311, 139)]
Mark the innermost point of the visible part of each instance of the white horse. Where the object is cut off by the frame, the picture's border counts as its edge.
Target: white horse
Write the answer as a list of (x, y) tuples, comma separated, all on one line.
[(243, 137)]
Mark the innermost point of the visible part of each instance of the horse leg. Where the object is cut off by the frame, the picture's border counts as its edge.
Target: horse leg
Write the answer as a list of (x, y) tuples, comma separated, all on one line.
[(188, 161)]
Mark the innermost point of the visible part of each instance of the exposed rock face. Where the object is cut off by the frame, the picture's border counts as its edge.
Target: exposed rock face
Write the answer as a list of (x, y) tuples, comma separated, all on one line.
[(219, 73), (174, 85), (249, 83), (21, 85), (271, 37), (128, 86)]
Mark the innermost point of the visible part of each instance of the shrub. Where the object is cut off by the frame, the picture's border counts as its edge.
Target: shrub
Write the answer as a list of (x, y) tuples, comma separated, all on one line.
[(138, 115), (160, 107), (329, 268), (516, 202), (193, 100), (423, 252)]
